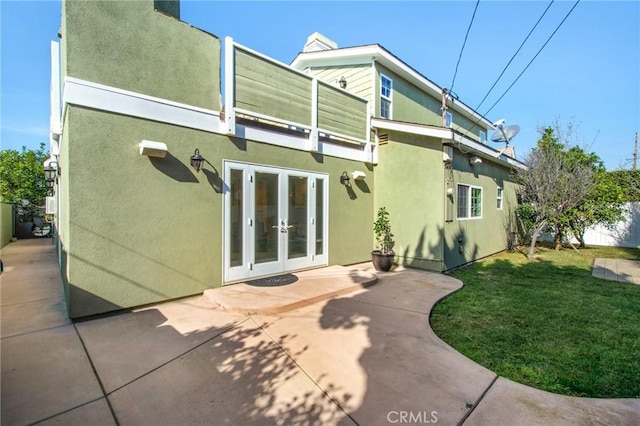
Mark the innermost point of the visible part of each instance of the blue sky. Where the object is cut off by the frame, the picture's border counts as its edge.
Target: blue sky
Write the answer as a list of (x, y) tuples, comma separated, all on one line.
[(589, 73)]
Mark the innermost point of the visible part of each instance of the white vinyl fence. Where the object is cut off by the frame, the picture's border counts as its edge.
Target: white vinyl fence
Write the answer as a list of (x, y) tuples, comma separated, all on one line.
[(625, 234)]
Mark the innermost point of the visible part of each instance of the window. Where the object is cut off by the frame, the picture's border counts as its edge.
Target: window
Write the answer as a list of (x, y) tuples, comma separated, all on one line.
[(469, 202), (483, 136), (448, 119), (499, 199), (385, 96)]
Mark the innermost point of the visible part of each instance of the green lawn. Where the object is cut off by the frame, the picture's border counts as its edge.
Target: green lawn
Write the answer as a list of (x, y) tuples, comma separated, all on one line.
[(548, 323)]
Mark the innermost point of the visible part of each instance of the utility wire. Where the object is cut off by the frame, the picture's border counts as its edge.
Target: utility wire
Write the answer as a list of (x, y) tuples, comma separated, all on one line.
[(536, 55), (520, 75), (514, 55), (463, 44)]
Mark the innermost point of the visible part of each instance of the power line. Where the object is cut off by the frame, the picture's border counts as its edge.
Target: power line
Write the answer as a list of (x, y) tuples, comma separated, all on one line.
[(533, 59), (463, 44), (514, 55), (520, 75)]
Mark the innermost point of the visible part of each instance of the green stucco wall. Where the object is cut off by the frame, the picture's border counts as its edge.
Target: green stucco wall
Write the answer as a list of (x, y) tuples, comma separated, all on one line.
[(466, 240), (130, 46), (6, 224), (141, 230), (409, 184)]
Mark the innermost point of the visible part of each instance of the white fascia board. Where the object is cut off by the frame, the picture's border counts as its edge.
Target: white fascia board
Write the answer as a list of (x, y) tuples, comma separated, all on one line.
[(345, 56), (55, 126), (415, 129), (111, 99), (364, 55), (486, 151), (448, 136)]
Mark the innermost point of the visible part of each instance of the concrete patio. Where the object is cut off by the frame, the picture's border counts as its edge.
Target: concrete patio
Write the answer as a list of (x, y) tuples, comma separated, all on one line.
[(366, 357)]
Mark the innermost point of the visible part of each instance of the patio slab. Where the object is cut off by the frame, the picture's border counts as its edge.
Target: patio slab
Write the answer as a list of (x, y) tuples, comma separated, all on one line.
[(127, 346), (511, 403), (311, 287), (240, 377), (45, 373), (621, 270)]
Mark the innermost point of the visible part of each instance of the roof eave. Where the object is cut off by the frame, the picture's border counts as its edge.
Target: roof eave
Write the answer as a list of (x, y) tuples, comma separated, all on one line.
[(365, 54)]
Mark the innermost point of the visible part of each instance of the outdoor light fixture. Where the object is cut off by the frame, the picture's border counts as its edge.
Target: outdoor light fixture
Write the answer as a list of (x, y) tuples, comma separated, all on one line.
[(343, 83), (197, 160), (475, 160), (344, 178), (49, 175)]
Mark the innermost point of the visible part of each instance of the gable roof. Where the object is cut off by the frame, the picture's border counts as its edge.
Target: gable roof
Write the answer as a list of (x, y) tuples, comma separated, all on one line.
[(365, 54)]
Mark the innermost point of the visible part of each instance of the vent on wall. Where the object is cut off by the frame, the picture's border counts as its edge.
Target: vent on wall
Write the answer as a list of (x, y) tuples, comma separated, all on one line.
[(383, 138)]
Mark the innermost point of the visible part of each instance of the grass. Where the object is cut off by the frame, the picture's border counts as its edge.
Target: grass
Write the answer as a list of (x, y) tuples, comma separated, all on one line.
[(548, 323)]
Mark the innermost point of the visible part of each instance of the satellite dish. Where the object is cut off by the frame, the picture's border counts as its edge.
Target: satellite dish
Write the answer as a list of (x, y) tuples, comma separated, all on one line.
[(505, 134)]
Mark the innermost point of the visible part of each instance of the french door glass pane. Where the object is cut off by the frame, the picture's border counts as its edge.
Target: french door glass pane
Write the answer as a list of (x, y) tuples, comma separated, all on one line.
[(266, 214), (319, 216), (236, 217), (298, 213)]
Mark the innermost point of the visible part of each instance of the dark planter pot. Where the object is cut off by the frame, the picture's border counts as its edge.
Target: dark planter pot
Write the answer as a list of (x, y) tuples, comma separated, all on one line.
[(382, 262)]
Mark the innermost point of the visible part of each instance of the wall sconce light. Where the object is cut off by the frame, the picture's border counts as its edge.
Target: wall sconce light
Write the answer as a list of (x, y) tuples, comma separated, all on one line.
[(49, 176), (153, 149), (343, 83), (197, 160), (358, 175), (344, 178), (475, 160)]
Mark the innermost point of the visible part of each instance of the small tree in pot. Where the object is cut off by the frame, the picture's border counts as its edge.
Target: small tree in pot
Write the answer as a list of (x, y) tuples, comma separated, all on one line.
[(383, 258)]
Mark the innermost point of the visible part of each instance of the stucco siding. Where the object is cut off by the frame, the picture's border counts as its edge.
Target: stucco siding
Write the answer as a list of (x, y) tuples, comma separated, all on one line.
[(6, 223), (141, 230), (130, 46), (269, 89), (466, 240), (409, 185)]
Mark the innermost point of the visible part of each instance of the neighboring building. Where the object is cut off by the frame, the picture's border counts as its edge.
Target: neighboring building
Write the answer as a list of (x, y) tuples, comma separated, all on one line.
[(140, 97)]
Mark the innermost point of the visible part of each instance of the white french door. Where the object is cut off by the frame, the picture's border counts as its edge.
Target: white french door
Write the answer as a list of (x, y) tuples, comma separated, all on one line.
[(275, 220)]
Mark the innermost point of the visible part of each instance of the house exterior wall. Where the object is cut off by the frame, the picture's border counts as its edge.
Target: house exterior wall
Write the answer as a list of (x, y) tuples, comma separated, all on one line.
[(408, 103), (6, 223), (141, 230), (358, 78), (409, 184), (466, 240), (130, 46)]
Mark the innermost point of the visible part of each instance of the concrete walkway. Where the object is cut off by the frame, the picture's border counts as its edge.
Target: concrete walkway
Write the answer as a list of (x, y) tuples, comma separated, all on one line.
[(368, 357), (622, 270)]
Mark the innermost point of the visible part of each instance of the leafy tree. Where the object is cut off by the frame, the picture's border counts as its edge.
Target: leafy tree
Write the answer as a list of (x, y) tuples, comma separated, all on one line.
[(22, 176), (629, 183), (552, 184), (603, 205)]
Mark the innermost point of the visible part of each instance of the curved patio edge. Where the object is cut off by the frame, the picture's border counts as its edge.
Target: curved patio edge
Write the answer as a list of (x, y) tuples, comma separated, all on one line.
[(510, 402)]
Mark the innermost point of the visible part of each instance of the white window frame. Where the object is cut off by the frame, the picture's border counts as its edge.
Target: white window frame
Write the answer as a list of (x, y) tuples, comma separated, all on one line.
[(483, 136), (469, 200), (499, 198), (448, 119), (385, 98)]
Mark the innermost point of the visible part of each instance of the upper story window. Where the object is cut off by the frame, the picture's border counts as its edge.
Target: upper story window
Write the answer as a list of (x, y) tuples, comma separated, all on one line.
[(386, 85), (448, 119), (483, 136), (469, 202), (499, 198)]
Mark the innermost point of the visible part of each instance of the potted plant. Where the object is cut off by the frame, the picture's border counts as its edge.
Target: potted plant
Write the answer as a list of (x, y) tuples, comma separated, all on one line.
[(383, 257)]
